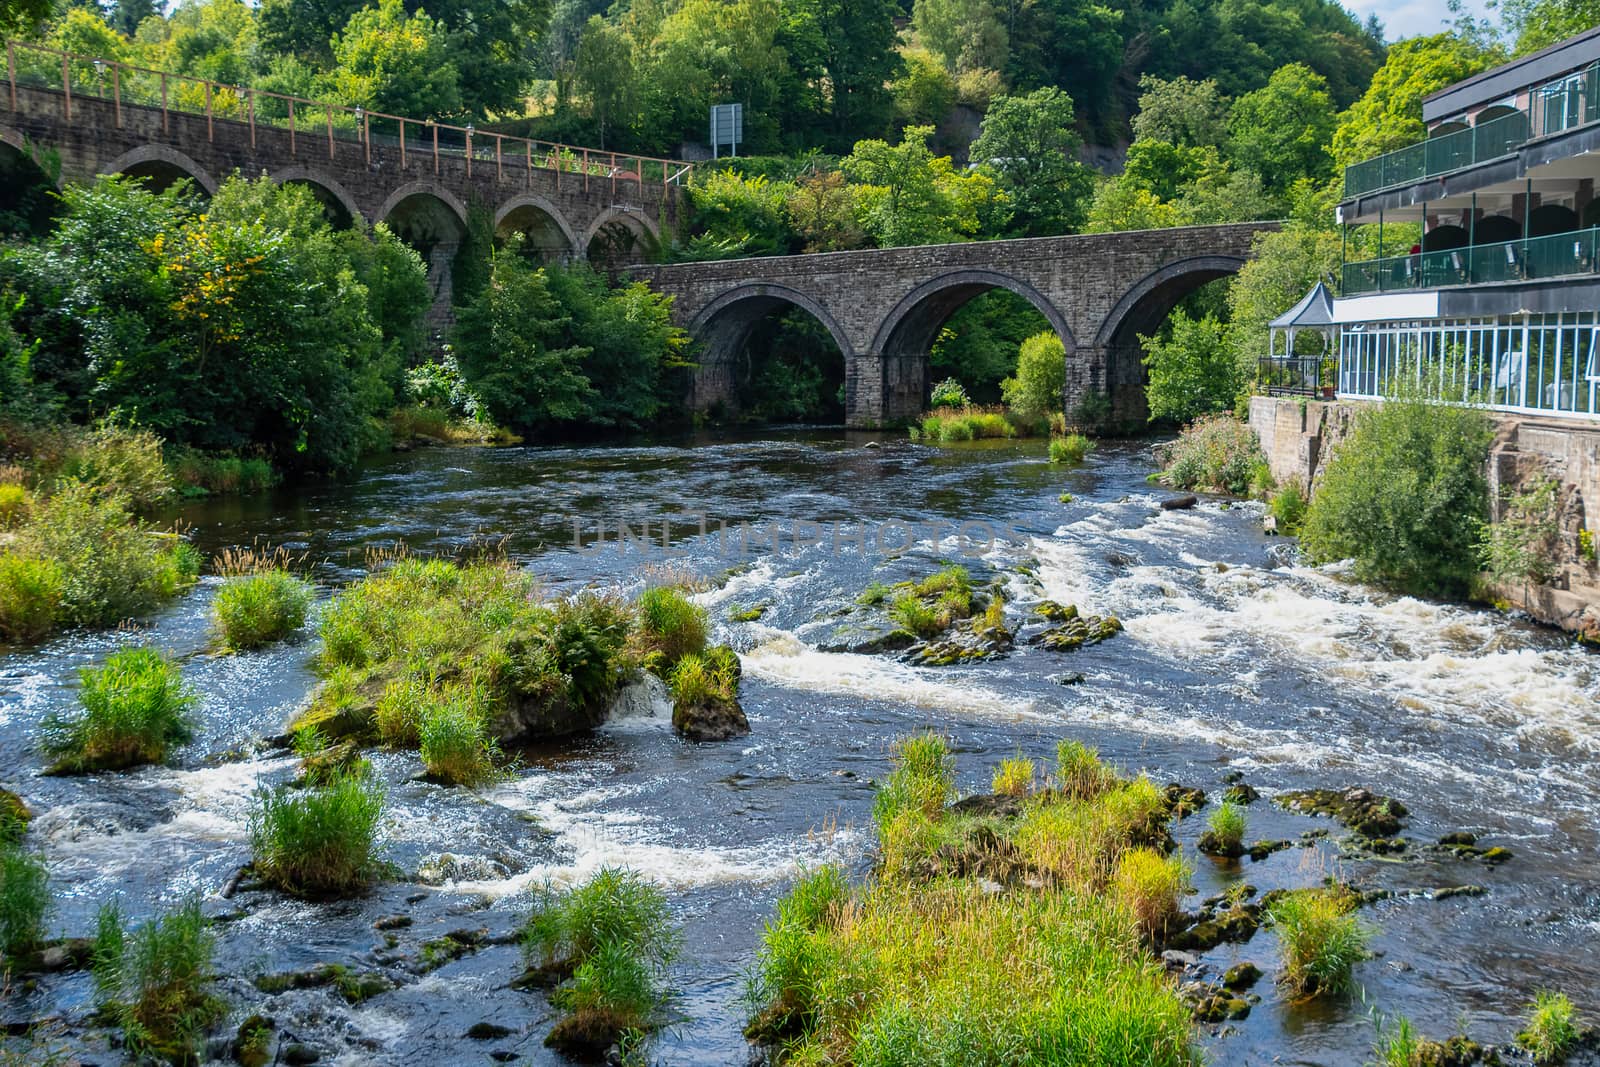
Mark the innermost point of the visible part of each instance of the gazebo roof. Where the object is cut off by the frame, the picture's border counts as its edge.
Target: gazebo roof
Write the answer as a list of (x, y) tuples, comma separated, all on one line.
[(1315, 310)]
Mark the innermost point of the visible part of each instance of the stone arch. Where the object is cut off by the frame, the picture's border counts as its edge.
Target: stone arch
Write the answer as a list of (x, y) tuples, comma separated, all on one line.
[(618, 235), (27, 189), (552, 236), (158, 161), (13, 138), (431, 220), (723, 329), (1142, 310), (905, 337), (337, 202)]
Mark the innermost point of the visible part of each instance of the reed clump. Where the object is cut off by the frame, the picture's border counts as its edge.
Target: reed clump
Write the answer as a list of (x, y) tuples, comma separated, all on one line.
[(261, 600), (1552, 1032), (133, 709), (1321, 940), (155, 980), (319, 842)]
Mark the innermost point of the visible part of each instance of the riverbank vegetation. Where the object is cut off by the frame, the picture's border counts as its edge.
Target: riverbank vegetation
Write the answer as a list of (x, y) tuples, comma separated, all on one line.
[(927, 963), (134, 708), (154, 981)]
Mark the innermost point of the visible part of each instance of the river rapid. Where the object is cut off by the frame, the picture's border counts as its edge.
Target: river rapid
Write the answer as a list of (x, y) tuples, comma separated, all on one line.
[(1235, 659)]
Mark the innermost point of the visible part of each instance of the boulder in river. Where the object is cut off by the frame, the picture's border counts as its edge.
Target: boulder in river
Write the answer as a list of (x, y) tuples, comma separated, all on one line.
[(1367, 813), (1180, 503), (707, 708)]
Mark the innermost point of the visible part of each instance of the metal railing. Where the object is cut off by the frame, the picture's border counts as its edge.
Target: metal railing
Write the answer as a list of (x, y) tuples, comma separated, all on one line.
[(1563, 104), (1290, 375), (1554, 256), (312, 123)]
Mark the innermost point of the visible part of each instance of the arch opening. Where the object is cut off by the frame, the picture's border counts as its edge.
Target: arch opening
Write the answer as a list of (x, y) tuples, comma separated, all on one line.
[(914, 342), (28, 205), (161, 175), (435, 229), (334, 208), (619, 238), (1169, 299), (770, 355), (546, 238)]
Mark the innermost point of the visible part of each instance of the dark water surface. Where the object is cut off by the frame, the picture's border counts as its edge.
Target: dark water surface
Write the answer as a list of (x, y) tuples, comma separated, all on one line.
[(1234, 659)]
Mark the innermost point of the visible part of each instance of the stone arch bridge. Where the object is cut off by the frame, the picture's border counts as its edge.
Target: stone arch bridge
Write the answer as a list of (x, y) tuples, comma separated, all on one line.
[(96, 117), (884, 308)]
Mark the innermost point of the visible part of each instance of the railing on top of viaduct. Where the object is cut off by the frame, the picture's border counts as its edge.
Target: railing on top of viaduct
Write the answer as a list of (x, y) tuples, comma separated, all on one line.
[(121, 83)]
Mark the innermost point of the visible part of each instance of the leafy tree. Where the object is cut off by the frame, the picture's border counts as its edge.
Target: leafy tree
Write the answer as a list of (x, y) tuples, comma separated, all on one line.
[(1165, 169), (1181, 111), (1389, 113), (966, 34), (1037, 388), (747, 215), (1192, 369), (389, 61), (1281, 131), (711, 52), (22, 18), (126, 15), (603, 70), (822, 213), (1536, 24), (844, 49), (1029, 142), (905, 195), (1125, 205), (926, 92), (1283, 266)]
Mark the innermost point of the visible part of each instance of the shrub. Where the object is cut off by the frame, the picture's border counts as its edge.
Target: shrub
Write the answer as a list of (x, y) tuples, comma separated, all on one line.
[(910, 613), (135, 708), (253, 610), (31, 589), (1288, 506), (456, 746), (923, 779), (949, 394), (202, 474), (1551, 1032), (671, 624), (1521, 547), (319, 842), (24, 898), (1036, 389), (15, 503), (121, 462), (1149, 884), (1404, 497), (1321, 940), (1073, 448), (1013, 778), (112, 567), (1217, 453), (1192, 368), (155, 981), (1225, 833)]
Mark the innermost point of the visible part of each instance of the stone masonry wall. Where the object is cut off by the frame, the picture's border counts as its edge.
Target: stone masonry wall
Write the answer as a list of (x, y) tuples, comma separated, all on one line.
[(1298, 438)]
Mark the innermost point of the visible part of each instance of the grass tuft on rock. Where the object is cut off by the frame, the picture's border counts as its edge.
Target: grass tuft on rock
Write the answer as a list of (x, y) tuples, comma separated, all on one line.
[(155, 981), (1152, 885), (1073, 448), (1013, 778), (455, 742), (670, 624), (320, 842), (1551, 1033), (611, 939), (1225, 831), (254, 610), (135, 708), (1079, 772), (1321, 940)]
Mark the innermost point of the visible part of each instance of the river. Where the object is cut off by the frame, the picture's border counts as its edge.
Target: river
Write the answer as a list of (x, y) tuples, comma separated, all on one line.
[(1234, 659)]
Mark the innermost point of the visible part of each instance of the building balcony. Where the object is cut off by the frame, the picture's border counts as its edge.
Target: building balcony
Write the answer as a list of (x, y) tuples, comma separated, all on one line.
[(1560, 255), (1556, 107)]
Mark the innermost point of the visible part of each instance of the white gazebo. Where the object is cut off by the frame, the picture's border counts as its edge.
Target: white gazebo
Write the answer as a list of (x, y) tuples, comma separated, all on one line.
[(1296, 371)]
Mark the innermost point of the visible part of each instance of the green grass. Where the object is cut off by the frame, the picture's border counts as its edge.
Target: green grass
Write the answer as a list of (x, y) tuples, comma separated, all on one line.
[(254, 610), (15, 503), (456, 746), (1013, 778), (135, 707), (1227, 828), (1079, 772), (204, 474), (155, 980), (415, 629), (670, 624), (964, 424), (1400, 1048), (24, 898), (31, 591), (931, 963), (1073, 448), (700, 680), (910, 613), (319, 842), (874, 594), (1551, 1033), (1321, 940)]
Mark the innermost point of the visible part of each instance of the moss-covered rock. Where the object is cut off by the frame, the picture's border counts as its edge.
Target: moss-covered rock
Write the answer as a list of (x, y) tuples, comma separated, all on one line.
[(1076, 632), (1183, 801), (1368, 814), (252, 1043)]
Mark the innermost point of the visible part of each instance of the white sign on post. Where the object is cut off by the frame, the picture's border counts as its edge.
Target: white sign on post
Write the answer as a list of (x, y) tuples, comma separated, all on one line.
[(727, 127)]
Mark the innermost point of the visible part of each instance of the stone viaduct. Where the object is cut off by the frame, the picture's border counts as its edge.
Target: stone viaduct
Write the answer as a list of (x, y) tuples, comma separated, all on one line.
[(420, 178), (885, 307)]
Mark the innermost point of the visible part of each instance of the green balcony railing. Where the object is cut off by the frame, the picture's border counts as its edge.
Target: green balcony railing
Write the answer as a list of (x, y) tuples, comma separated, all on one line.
[(1555, 256), (1439, 155)]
